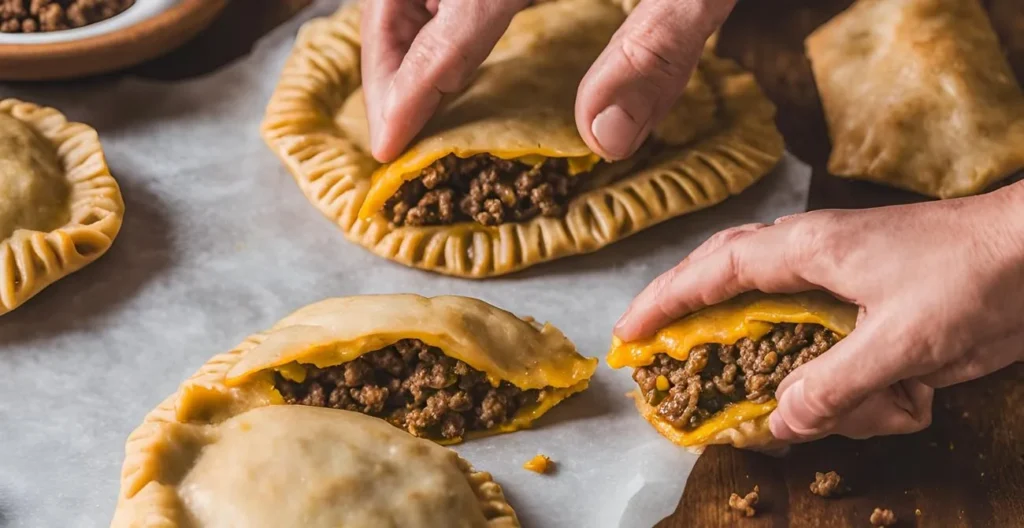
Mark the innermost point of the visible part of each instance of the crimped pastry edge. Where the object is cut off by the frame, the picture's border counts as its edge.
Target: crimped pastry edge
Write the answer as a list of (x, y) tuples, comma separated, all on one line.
[(334, 174), (32, 260)]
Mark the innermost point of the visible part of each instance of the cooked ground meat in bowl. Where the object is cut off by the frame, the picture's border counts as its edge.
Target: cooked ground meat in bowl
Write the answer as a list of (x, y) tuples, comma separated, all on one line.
[(483, 189), (32, 16), (686, 393), (415, 387)]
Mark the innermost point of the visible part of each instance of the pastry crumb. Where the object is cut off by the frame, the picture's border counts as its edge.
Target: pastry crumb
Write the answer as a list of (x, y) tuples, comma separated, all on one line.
[(745, 504), (883, 517), (540, 464), (827, 484)]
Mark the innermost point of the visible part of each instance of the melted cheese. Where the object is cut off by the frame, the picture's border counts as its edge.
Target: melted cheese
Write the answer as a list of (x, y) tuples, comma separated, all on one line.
[(389, 178), (538, 464), (747, 316), (524, 418), (333, 332)]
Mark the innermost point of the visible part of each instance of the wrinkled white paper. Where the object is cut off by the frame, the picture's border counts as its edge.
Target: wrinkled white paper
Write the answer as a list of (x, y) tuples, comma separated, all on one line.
[(219, 243)]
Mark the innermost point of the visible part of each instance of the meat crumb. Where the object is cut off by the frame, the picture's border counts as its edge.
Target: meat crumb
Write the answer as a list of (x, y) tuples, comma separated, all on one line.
[(540, 464), (827, 484), (745, 504), (883, 517)]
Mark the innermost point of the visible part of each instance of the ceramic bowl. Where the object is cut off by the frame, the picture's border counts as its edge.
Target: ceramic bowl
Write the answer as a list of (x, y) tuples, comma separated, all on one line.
[(144, 31)]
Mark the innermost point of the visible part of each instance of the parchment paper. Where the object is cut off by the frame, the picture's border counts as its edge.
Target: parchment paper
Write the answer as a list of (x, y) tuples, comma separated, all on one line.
[(219, 243)]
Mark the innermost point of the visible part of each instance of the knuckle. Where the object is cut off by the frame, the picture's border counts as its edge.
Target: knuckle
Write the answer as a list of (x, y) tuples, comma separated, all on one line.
[(722, 238), (924, 419), (734, 268), (813, 239), (654, 53), (822, 404), (660, 287), (440, 60), (664, 302), (927, 349)]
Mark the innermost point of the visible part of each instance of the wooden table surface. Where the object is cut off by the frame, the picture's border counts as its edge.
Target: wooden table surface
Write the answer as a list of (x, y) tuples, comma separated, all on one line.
[(966, 470)]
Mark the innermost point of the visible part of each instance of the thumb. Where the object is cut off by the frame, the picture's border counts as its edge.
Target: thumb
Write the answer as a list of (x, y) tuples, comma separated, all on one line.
[(643, 71), (814, 398)]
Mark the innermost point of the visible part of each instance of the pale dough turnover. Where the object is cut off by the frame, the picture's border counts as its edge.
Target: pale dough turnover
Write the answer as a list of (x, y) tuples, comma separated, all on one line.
[(60, 209), (518, 186), (244, 442), (303, 466), (918, 95)]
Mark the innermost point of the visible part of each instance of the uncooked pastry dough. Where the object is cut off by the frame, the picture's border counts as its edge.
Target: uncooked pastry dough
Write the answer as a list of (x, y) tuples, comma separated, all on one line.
[(60, 209), (224, 450), (718, 141)]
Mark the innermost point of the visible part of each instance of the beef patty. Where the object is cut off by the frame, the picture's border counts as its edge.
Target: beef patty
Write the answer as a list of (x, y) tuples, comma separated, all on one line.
[(688, 392), (415, 387), (483, 189)]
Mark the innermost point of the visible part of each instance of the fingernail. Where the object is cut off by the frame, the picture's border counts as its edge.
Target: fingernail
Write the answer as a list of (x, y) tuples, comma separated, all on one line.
[(615, 131), (621, 324)]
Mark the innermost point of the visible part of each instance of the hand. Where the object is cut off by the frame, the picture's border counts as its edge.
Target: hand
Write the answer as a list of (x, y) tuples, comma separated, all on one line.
[(939, 288), (415, 51)]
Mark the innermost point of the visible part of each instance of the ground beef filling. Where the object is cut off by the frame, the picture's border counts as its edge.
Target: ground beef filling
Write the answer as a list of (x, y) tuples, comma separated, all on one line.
[(482, 189), (689, 392), (414, 386)]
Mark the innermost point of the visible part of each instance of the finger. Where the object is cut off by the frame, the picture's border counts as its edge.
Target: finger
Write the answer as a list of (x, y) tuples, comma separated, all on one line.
[(440, 60), (388, 28), (721, 238), (709, 246), (903, 408), (977, 363), (759, 260), (787, 218), (875, 356), (642, 72)]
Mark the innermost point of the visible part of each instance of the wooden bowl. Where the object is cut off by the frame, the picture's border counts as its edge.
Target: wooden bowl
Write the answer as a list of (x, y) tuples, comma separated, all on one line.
[(146, 30)]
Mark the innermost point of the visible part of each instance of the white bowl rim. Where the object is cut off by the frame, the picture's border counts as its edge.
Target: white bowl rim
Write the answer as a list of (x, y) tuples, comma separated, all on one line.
[(142, 10)]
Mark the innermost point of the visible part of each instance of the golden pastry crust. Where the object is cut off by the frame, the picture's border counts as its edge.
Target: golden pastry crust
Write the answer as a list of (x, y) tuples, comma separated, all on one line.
[(160, 482), (314, 126), (60, 210), (751, 315), (918, 95)]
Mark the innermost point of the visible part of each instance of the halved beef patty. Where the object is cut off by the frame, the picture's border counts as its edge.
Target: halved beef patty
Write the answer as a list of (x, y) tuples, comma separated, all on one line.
[(414, 386), (688, 392)]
